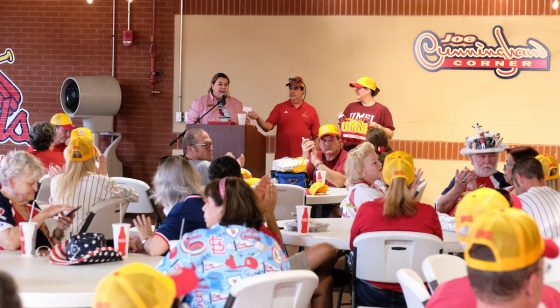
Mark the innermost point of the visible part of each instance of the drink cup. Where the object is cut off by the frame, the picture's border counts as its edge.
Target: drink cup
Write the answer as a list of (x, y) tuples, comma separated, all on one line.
[(320, 176), (303, 213), (241, 118), (27, 236), (121, 236)]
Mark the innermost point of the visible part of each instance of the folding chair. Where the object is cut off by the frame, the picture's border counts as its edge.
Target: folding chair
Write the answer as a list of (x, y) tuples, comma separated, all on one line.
[(102, 215), (287, 197), (415, 293), (275, 290), (379, 255), (144, 204), (441, 268)]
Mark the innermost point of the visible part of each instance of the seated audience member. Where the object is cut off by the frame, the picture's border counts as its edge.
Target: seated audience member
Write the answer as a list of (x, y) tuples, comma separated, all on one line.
[(397, 211), (319, 258), (82, 183), (514, 154), (501, 275), (362, 169), (199, 149), (9, 296), (19, 174), (177, 187), (232, 248), (331, 158), (550, 169), (537, 199), (483, 151), (137, 285), (378, 138), (64, 126), (41, 138), (473, 205)]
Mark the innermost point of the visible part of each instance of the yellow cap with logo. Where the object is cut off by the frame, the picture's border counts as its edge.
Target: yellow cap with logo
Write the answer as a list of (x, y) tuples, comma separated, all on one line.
[(398, 164), (62, 119), (550, 166), (80, 147), (364, 82), (329, 129)]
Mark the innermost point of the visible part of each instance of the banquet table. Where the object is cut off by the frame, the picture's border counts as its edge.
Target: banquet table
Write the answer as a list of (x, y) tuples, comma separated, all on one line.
[(338, 235), (334, 195), (42, 284)]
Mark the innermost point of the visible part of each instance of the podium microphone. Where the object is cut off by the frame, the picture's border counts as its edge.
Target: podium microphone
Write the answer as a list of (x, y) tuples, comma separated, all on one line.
[(221, 102)]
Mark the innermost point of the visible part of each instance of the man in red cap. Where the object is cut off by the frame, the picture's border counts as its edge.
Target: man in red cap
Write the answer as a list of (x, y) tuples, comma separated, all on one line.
[(295, 118)]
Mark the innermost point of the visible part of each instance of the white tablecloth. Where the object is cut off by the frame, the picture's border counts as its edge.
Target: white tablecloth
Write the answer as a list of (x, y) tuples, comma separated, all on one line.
[(42, 284)]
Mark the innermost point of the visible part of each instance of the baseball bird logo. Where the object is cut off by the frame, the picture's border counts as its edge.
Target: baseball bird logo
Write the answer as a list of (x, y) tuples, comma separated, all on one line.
[(14, 121), (465, 51)]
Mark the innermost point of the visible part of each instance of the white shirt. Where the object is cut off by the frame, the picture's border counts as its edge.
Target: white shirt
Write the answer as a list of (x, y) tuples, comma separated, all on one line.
[(359, 194), (543, 204)]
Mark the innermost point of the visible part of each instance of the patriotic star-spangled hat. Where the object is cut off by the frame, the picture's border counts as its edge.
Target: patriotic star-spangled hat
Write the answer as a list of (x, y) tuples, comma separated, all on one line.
[(84, 248)]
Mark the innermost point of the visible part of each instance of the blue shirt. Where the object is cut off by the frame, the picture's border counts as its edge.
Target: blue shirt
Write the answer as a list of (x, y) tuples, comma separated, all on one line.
[(222, 256), (191, 211)]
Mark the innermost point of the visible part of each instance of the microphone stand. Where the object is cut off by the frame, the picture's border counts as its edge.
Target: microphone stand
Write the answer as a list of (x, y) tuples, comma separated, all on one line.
[(221, 102)]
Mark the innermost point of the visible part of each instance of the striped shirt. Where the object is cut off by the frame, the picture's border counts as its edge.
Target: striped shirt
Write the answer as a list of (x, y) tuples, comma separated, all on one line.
[(92, 189), (543, 204)]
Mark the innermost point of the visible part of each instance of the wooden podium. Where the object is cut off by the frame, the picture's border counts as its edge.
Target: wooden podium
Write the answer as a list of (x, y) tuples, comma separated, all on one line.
[(238, 139)]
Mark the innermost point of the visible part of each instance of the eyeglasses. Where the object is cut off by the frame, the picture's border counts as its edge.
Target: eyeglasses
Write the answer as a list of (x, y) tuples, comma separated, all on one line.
[(208, 146)]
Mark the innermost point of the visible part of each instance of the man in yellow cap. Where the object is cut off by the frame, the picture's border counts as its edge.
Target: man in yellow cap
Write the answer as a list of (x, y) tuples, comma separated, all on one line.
[(294, 119), (330, 159), (64, 126)]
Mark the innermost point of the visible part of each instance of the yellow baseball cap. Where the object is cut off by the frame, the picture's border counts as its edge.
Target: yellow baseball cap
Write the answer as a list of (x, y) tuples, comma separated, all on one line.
[(62, 119), (318, 188), (513, 238), (80, 147), (364, 82), (329, 129), (398, 164), (474, 204), (550, 166)]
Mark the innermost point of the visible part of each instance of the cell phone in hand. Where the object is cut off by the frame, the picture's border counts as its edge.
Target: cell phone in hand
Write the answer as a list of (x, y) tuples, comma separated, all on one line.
[(73, 211)]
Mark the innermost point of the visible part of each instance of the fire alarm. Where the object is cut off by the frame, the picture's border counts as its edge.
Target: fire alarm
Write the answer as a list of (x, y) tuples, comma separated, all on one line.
[(128, 37)]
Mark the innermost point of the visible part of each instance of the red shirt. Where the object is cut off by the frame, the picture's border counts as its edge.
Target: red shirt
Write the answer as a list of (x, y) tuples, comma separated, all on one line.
[(337, 164), (59, 147), (293, 124), (377, 113), (49, 157), (458, 293), (370, 218)]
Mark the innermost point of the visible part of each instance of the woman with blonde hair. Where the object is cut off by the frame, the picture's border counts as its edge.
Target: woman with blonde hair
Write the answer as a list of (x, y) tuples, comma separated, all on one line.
[(178, 188), (362, 170), (83, 183), (397, 211)]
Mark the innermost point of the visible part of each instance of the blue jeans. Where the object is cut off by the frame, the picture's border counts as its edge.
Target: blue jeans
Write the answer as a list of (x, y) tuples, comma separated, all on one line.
[(368, 295)]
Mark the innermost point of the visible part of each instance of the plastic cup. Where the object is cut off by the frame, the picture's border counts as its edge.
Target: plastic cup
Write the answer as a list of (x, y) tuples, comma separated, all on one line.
[(241, 118), (121, 237), (303, 212), (320, 176), (27, 236)]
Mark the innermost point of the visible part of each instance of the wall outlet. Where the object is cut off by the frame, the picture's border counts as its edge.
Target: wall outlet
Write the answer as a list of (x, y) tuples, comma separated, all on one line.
[(178, 116)]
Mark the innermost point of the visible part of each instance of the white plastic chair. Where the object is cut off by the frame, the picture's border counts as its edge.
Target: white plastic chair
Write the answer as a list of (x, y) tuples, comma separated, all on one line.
[(102, 215), (287, 197), (379, 255), (275, 289), (44, 192), (144, 205), (420, 190), (441, 268), (415, 293)]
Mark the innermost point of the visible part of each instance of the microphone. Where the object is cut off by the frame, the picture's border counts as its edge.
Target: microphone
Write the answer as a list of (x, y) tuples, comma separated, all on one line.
[(222, 101)]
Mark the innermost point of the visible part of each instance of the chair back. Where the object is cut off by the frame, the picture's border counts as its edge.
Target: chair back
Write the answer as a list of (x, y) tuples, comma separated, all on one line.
[(103, 214), (441, 268), (391, 251), (287, 197), (144, 204), (287, 289), (44, 192), (415, 293)]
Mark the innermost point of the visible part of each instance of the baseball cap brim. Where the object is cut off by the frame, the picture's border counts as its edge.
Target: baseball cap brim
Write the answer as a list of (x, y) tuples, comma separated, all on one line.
[(329, 134), (68, 127), (550, 249), (356, 85)]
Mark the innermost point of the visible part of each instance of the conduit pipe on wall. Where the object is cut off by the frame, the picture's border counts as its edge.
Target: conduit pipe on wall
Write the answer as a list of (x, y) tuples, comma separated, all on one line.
[(180, 91), (153, 73), (113, 48)]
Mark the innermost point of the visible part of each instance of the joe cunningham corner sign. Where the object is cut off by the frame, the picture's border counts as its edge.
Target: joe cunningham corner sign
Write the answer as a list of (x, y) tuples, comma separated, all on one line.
[(465, 51)]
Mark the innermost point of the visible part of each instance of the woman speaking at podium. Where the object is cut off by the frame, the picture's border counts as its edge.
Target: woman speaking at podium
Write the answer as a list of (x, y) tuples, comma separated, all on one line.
[(225, 106)]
